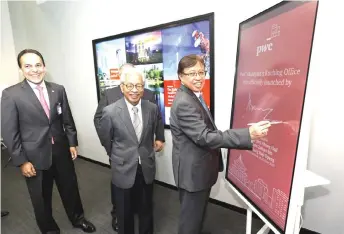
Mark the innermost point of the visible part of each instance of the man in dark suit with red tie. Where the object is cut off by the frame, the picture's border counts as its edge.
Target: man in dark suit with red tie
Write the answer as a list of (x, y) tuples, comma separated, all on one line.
[(39, 132)]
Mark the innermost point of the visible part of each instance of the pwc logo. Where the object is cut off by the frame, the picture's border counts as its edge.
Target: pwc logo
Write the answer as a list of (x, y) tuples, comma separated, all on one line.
[(275, 32)]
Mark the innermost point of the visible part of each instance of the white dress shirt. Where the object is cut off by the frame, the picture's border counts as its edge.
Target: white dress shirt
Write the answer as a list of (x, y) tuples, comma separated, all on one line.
[(131, 113), (198, 94), (45, 91)]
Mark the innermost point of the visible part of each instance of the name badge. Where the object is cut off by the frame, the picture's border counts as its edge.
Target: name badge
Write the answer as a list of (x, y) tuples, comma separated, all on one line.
[(59, 109)]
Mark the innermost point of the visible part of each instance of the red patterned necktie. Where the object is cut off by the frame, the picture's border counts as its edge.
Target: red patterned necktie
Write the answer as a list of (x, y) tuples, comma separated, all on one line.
[(44, 104)]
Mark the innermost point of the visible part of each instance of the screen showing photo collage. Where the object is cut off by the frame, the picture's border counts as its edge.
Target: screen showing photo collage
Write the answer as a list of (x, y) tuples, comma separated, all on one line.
[(156, 54)]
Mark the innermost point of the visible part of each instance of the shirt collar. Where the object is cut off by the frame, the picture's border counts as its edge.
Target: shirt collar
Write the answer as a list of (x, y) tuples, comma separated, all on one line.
[(198, 94), (33, 85), (130, 106)]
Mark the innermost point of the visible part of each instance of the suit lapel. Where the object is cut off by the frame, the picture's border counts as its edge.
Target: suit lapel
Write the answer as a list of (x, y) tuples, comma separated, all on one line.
[(52, 99), (32, 98), (145, 117), (188, 91), (209, 115), (125, 116)]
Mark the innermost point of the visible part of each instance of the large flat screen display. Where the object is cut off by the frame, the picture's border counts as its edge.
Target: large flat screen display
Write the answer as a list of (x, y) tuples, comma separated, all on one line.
[(156, 52)]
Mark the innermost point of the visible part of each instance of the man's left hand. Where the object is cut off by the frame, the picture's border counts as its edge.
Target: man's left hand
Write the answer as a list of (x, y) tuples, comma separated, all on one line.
[(158, 146), (73, 152)]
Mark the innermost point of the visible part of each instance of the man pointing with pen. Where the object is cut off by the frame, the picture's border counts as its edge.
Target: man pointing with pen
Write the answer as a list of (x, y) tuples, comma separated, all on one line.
[(196, 154)]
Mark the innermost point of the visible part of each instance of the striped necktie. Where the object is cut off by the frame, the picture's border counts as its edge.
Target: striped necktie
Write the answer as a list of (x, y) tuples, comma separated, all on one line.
[(137, 123)]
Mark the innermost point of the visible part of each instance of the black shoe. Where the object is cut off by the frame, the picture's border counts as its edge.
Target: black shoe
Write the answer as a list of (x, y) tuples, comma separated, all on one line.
[(113, 212), (4, 213), (85, 225), (115, 224)]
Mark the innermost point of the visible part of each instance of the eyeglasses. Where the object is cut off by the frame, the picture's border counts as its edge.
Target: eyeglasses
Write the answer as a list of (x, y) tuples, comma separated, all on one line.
[(194, 74), (130, 86)]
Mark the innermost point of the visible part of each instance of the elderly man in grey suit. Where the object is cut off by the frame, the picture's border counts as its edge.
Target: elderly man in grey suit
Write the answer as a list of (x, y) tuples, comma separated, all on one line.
[(126, 130), (196, 155), (110, 96)]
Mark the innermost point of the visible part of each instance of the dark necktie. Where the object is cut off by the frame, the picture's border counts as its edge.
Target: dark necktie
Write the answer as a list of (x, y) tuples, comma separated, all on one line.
[(206, 109), (203, 102)]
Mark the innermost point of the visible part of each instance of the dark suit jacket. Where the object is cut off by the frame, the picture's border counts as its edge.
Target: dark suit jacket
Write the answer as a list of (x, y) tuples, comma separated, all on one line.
[(114, 94), (117, 135), (196, 157), (26, 129)]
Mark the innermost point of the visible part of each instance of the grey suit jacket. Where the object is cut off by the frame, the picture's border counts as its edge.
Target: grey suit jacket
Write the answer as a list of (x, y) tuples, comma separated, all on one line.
[(114, 94), (196, 157), (117, 135), (26, 129)]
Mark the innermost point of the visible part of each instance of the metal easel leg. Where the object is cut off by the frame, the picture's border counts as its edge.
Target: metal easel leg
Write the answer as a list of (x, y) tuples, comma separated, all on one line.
[(249, 221)]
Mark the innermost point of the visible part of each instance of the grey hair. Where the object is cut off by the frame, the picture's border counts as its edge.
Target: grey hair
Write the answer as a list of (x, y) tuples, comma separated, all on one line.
[(128, 69)]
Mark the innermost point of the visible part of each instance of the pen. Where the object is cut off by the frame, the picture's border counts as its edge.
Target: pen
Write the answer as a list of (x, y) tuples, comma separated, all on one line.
[(272, 122)]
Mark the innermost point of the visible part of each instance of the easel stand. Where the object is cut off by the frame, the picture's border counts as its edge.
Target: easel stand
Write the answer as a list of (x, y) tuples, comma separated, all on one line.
[(310, 180)]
